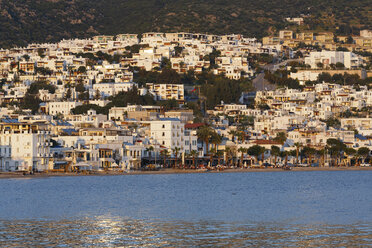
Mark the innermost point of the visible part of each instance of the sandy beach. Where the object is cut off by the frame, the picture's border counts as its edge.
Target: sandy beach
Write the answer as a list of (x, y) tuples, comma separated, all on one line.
[(9, 175)]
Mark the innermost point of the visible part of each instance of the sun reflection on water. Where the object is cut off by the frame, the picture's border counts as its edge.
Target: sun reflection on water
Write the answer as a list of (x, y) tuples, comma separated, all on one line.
[(107, 231)]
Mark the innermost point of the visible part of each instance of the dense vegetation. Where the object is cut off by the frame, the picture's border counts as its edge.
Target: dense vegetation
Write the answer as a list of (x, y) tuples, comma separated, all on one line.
[(215, 88), (281, 78), (51, 20)]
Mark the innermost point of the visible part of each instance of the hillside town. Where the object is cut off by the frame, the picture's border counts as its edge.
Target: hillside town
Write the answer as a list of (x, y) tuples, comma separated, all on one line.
[(142, 102)]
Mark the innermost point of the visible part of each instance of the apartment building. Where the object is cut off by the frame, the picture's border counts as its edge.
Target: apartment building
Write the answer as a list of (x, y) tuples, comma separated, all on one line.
[(286, 34), (326, 58), (112, 89), (303, 76), (63, 108), (24, 146), (356, 123), (168, 132), (166, 91)]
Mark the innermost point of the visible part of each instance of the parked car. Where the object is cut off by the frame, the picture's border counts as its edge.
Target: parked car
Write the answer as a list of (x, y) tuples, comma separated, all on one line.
[(303, 165), (267, 165), (365, 165)]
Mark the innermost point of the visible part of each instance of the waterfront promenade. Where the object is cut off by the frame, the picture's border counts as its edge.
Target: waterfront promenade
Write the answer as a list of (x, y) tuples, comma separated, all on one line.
[(5, 175)]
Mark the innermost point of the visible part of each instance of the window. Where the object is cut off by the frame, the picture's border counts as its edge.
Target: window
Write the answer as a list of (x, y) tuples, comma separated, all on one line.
[(163, 133), (163, 126)]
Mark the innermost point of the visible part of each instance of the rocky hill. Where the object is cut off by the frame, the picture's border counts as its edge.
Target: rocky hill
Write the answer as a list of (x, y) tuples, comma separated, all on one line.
[(24, 21)]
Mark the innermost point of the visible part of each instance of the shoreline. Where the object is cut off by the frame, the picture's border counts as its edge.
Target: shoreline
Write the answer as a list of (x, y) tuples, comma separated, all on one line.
[(15, 175)]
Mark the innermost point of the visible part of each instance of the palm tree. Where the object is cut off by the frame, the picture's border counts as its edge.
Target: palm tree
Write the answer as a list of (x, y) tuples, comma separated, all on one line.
[(149, 150), (242, 150), (335, 148), (227, 152), (292, 153), (256, 151), (350, 152), (176, 150), (285, 155), (165, 154), (298, 146), (194, 154), (212, 152), (230, 153), (275, 150), (204, 134), (233, 133), (263, 154), (308, 152), (363, 152), (216, 139), (219, 154), (281, 137), (317, 155)]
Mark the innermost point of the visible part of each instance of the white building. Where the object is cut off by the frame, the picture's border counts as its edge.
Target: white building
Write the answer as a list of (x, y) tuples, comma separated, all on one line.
[(111, 89), (24, 146), (166, 91), (366, 33), (349, 59), (64, 108), (303, 76), (168, 132), (357, 123)]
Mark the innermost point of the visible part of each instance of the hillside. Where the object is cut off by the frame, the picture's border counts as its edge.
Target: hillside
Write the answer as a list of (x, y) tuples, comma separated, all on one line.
[(23, 21)]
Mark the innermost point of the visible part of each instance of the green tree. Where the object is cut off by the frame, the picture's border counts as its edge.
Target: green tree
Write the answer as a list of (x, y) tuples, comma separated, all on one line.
[(333, 122), (38, 85), (80, 87), (216, 139), (82, 69), (194, 155), (298, 146), (168, 76), (164, 153), (176, 151), (350, 152), (204, 134), (31, 102), (363, 152), (68, 94), (281, 137), (308, 152), (335, 148), (256, 151), (275, 151)]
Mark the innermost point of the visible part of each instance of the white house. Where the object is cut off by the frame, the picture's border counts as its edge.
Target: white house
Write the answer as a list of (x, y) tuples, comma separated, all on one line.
[(303, 76), (64, 108), (111, 89)]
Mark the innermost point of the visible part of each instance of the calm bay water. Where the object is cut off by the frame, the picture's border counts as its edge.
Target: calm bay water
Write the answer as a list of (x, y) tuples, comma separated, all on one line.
[(230, 209)]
